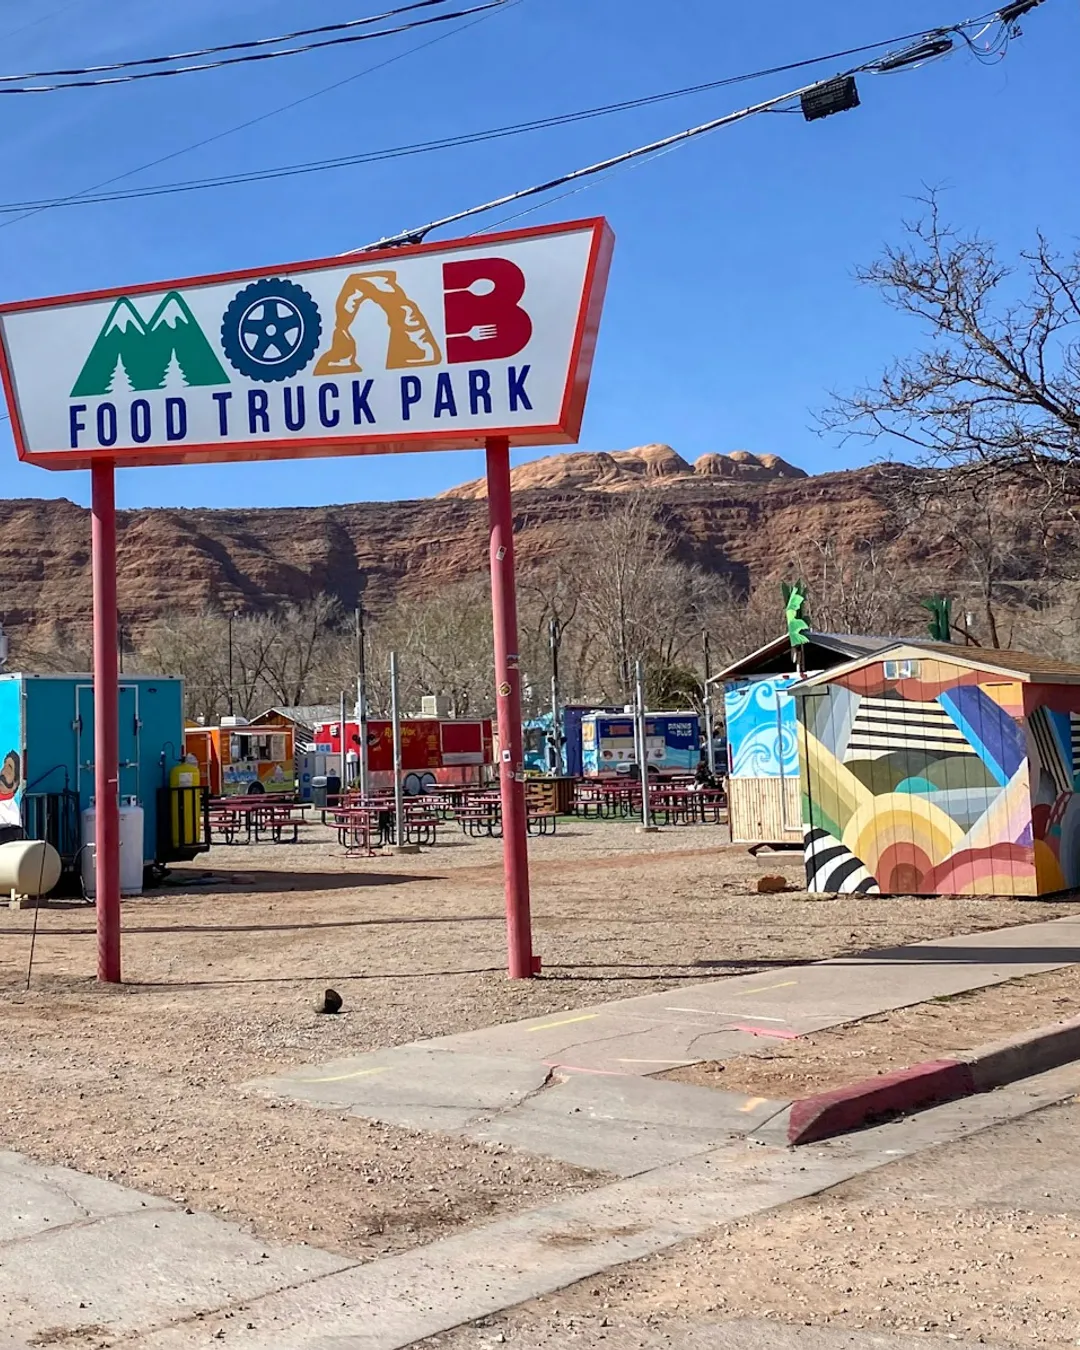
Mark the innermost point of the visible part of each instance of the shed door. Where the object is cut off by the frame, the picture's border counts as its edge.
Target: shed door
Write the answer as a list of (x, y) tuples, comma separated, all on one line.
[(129, 740)]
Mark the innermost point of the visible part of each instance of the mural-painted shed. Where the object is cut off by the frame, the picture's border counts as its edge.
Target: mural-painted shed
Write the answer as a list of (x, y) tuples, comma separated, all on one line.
[(763, 757), (938, 770)]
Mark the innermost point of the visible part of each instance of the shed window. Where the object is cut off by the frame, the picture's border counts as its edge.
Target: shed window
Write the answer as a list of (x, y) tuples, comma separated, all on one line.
[(901, 670)]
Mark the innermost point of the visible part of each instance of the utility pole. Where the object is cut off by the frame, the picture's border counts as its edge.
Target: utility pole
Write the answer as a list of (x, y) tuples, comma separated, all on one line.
[(232, 701), (647, 826), (344, 750), (361, 698), (401, 844), (555, 639), (710, 749)]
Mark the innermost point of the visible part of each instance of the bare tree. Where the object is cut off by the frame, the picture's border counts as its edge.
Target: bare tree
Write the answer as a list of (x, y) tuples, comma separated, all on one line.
[(853, 587), (999, 381), (296, 640), (445, 644)]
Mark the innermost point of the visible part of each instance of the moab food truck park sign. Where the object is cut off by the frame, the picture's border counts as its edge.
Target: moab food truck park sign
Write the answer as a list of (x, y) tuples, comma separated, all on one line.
[(486, 341), (431, 347)]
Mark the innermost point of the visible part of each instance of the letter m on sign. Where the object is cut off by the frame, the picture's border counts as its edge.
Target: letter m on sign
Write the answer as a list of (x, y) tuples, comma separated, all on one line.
[(484, 317)]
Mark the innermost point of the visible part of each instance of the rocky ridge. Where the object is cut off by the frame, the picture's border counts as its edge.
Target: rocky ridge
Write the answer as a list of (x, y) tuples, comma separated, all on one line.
[(745, 523)]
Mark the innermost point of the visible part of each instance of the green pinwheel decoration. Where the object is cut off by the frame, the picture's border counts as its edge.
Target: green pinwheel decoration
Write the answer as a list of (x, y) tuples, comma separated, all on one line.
[(940, 607), (795, 612)]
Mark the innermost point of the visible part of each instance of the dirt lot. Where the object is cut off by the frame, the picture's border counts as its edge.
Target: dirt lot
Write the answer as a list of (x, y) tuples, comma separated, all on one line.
[(139, 1084), (975, 1242), (894, 1040)]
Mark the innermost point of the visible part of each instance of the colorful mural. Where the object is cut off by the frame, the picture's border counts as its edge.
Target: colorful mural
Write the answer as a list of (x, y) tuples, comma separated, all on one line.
[(920, 776), (11, 765), (761, 728)]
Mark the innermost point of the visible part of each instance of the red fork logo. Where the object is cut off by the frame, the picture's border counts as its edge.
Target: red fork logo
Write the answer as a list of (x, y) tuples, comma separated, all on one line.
[(484, 317)]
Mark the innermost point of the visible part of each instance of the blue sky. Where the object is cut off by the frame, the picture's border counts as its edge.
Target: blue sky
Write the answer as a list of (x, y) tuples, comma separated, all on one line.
[(732, 308)]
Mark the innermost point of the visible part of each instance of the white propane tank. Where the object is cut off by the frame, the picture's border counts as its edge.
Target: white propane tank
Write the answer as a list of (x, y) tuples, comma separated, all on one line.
[(131, 850), (28, 867)]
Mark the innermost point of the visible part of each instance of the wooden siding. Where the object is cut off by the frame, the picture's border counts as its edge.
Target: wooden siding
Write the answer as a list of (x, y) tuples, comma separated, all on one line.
[(764, 809)]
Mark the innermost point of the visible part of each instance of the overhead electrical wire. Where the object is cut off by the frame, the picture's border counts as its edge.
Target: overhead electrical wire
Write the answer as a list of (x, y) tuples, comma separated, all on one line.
[(227, 46), (265, 116), (130, 77), (904, 58), (94, 197)]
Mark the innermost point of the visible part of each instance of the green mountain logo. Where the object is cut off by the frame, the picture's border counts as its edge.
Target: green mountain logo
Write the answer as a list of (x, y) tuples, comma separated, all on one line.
[(132, 354)]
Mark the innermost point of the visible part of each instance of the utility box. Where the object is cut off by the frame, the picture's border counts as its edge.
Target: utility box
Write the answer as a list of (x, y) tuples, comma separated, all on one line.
[(47, 755)]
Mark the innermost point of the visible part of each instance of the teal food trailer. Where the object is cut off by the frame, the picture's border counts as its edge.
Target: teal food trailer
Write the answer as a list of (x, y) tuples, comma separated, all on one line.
[(47, 763)]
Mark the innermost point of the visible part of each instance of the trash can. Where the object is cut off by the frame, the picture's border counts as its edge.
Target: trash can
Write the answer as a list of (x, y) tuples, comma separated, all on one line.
[(318, 791), (333, 788)]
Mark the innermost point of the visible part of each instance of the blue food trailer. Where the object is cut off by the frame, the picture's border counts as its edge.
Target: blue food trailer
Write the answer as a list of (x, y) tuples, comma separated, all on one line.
[(47, 762), (537, 733), (609, 743)]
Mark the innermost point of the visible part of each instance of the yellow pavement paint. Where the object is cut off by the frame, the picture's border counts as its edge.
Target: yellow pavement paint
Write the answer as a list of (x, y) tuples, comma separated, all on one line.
[(548, 1026), (344, 1077), (769, 987), (753, 1104)]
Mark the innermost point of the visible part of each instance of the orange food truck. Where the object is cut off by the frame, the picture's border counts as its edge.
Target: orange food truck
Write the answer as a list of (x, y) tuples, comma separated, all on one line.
[(240, 760)]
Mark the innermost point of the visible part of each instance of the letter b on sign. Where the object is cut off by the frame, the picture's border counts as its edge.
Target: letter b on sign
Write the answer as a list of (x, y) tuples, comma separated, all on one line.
[(484, 319)]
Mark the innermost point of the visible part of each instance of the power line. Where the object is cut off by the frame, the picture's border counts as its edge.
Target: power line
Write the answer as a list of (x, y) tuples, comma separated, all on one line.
[(92, 197), (227, 46), (904, 58), (265, 116), (42, 18), (250, 56)]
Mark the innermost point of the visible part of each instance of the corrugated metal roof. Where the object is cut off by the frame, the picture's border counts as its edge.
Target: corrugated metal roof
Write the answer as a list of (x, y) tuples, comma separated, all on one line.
[(308, 714), (842, 645)]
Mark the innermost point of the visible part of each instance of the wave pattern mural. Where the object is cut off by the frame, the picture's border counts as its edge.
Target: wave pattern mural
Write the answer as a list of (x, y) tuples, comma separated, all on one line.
[(762, 728), (944, 781)]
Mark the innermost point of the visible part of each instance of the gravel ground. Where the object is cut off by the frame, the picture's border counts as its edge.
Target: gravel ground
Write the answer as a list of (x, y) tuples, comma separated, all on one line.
[(894, 1040), (139, 1084), (976, 1242)]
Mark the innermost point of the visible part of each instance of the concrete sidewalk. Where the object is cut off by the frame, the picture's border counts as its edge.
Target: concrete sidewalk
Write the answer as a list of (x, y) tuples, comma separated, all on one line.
[(577, 1085), (88, 1264)]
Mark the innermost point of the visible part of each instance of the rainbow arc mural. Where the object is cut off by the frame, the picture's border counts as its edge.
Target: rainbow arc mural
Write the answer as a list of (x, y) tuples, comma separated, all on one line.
[(929, 773)]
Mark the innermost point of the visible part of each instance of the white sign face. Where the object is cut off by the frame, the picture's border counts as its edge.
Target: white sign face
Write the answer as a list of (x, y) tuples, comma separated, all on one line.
[(427, 347)]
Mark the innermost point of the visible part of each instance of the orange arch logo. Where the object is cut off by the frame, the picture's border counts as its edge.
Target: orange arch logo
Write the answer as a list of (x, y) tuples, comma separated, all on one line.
[(411, 341), (482, 311)]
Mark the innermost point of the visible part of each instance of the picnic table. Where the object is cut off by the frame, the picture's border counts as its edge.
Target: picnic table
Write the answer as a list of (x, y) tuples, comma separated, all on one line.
[(480, 814), (364, 820), (675, 801), (255, 818), (686, 806), (356, 826)]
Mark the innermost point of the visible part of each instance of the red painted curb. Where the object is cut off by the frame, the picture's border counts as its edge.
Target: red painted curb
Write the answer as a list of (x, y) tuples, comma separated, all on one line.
[(830, 1113)]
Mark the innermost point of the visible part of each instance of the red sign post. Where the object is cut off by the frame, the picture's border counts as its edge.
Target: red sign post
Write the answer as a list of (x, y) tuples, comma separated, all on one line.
[(486, 341)]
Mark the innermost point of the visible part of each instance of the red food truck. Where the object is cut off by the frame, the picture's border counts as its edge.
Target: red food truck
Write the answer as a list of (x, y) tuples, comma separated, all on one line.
[(433, 750)]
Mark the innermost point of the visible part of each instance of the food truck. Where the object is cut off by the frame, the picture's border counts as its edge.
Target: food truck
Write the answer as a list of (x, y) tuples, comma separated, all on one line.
[(433, 750), (47, 771), (537, 738), (609, 744), (240, 760)]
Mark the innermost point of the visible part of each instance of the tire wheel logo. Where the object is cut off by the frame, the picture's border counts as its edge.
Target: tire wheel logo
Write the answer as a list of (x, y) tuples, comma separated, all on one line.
[(271, 330)]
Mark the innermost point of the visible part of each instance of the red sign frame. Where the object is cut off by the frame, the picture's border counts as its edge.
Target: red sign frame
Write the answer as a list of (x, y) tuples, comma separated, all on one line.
[(565, 431)]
